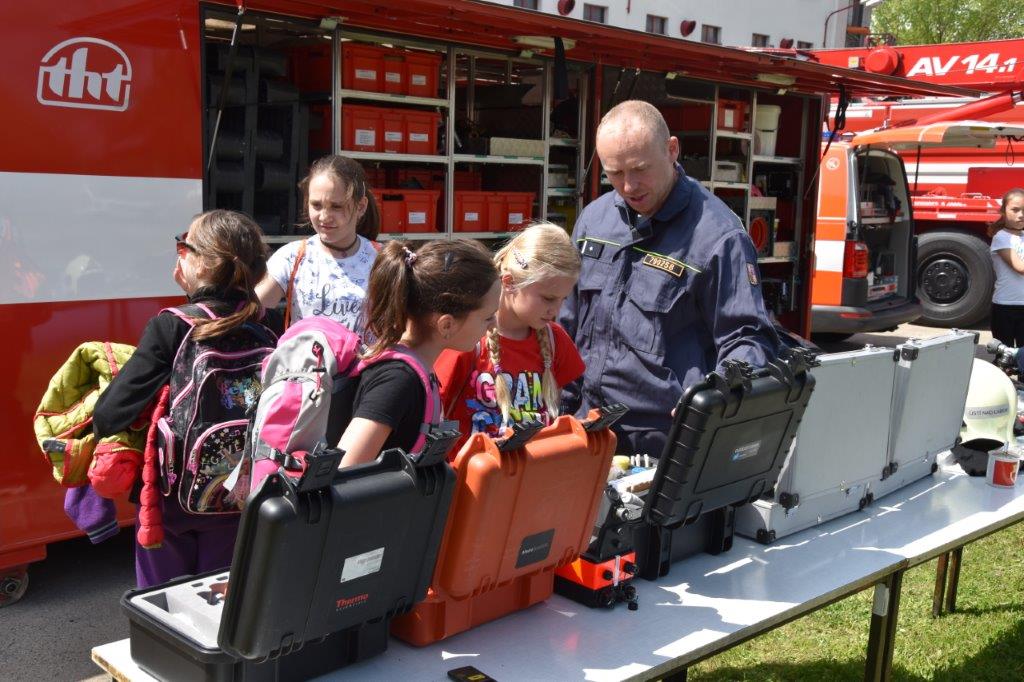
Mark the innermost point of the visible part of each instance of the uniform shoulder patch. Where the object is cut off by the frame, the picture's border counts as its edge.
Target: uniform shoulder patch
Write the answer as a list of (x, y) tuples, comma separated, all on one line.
[(668, 265), (752, 274)]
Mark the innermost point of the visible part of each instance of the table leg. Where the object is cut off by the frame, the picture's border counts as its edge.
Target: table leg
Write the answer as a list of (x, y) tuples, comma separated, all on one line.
[(940, 584), (882, 637), (954, 578)]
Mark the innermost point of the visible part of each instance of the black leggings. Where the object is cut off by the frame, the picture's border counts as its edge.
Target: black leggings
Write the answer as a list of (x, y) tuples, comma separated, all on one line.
[(1008, 324)]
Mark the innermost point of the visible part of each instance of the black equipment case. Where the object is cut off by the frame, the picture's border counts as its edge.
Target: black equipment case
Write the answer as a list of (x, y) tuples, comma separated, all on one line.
[(729, 440), (321, 564)]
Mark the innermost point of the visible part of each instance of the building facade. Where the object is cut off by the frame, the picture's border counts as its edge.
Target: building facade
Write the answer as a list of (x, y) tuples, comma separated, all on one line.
[(803, 24)]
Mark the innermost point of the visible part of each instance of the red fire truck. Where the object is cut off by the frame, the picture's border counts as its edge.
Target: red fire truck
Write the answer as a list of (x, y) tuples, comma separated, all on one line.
[(465, 114), (955, 191)]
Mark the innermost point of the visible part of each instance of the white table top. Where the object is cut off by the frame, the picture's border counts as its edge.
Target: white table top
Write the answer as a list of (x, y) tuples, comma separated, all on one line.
[(706, 603)]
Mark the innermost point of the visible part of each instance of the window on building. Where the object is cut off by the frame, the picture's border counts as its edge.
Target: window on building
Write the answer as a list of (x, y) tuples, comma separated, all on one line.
[(759, 40), (656, 24), (711, 34), (804, 45), (595, 13), (525, 4)]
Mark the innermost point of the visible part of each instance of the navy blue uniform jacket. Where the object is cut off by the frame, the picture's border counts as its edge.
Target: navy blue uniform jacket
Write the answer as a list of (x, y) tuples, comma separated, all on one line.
[(660, 302)]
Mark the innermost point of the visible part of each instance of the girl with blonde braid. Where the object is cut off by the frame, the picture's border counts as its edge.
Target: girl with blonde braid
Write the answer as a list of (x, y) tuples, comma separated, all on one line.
[(516, 373)]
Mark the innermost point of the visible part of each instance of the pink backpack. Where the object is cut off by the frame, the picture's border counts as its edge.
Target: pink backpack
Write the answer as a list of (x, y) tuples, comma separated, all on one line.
[(313, 360)]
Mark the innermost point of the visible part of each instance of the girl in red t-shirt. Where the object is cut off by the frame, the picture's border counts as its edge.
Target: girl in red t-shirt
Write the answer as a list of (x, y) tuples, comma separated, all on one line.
[(516, 373)]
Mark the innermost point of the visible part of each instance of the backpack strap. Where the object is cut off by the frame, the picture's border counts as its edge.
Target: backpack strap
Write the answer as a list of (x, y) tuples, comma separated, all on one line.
[(291, 283), (432, 414)]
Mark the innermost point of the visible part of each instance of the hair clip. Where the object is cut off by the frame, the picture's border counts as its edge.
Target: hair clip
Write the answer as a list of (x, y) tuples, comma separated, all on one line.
[(547, 364), (410, 256), (520, 260), (449, 256)]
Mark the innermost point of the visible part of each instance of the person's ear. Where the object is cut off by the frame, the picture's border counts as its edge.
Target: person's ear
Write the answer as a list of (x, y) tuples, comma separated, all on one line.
[(361, 208), (445, 325), (508, 284)]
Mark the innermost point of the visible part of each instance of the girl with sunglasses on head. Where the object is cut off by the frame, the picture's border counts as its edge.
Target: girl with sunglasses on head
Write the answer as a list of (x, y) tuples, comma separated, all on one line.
[(328, 273), (441, 297), (220, 259)]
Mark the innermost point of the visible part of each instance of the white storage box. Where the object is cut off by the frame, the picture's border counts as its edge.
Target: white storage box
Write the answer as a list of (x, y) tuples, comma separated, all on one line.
[(766, 128), (840, 448), (514, 146), (728, 171), (932, 376), (558, 175)]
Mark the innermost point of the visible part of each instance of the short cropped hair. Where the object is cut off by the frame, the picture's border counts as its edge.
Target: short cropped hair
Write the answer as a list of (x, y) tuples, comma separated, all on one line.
[(635, 112)]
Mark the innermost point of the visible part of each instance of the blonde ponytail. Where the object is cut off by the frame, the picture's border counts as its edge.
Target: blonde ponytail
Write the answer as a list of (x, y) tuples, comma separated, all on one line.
[(549, 388), (502, 391)]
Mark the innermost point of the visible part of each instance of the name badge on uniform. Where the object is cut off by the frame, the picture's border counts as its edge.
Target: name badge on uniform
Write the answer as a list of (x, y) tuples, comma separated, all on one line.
[(668, 265), (752, 274), (591, 249)]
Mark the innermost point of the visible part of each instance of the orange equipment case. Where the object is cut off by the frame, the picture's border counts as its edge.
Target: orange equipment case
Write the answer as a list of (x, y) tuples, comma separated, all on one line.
[(519, 511), (408, 210)]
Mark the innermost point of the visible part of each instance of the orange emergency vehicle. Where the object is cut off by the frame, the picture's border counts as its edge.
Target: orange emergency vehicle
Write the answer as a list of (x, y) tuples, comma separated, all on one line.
[(955, 191), (865, 277), (463, 112)]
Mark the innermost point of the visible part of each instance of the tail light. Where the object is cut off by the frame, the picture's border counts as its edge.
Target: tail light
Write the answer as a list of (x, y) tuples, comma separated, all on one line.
[(855, 260)]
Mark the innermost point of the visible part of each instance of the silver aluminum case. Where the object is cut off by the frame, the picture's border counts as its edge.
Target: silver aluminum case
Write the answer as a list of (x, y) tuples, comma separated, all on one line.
[(839, 451), (932, 376)]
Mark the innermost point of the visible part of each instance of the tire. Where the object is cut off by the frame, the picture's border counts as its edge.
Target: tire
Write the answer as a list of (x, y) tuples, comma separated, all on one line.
[(954, 279)]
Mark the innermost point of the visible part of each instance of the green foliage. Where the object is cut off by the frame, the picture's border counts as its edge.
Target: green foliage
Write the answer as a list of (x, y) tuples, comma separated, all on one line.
[(926, 22), (980, 641)]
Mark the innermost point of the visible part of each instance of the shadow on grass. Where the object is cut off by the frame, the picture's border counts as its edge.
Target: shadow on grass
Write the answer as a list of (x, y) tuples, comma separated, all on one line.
[(1001, 659)]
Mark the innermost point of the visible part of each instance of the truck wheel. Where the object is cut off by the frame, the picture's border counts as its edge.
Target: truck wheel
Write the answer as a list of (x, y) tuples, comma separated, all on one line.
[(954, 278), (13, 583)]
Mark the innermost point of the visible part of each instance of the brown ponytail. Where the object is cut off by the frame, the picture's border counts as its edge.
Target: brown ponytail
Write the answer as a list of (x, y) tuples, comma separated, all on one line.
[(234, 258), (351, 174), (442, 277)]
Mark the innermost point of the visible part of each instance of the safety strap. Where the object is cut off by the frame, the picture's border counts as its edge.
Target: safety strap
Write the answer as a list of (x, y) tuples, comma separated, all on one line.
[(291, 284)]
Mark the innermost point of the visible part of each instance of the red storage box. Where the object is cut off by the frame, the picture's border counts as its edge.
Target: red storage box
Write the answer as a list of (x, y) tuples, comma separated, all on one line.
[(421, 73), (373, 129), (393, 65), (408, 210), (733, 115), (515, 517), (362, 127), (433, 179), (421, 131), (376, 178), (471, 211), (509, 211), (362, 67)]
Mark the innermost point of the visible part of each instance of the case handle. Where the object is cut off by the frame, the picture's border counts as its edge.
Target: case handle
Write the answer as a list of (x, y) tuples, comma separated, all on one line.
[(519, 436), (603, 417)]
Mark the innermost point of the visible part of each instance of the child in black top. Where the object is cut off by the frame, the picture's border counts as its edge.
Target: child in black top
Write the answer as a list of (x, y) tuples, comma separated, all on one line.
[(442, 296), (220, 259)]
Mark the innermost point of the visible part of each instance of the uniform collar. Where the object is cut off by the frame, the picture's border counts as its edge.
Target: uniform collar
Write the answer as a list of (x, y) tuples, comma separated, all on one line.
[(678, 199)]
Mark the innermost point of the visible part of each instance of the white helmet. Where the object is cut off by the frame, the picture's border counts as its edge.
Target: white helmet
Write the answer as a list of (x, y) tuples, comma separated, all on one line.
[(989, 416)]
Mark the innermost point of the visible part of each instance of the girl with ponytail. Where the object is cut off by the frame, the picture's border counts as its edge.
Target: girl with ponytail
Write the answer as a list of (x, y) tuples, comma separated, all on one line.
[(516, 371), (219, 261), (439, 298)]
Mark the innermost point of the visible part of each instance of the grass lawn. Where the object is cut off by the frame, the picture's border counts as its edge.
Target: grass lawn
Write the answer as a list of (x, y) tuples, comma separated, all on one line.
[(983, 640)]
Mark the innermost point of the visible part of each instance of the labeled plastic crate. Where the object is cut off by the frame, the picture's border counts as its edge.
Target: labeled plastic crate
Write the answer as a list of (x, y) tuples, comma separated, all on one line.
[(519, 511), (471, 212), (421, 73), (373, 129), (335, 555), (733, 115), (421, 131), (362, 67), (408, 210), (509, 211)]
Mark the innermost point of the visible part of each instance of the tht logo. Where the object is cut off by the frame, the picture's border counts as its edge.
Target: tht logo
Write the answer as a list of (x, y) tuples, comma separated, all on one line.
[(85, 73), (345, 603)]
